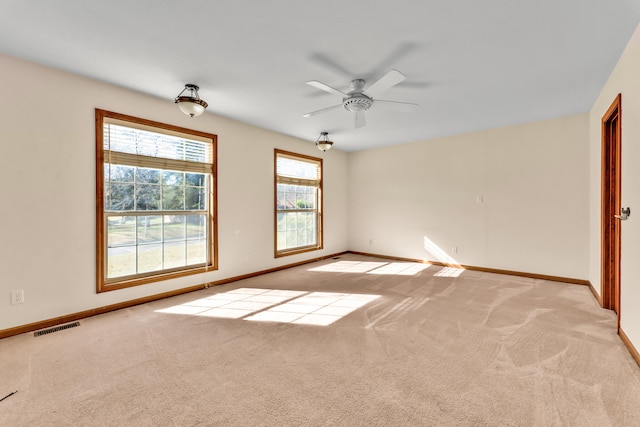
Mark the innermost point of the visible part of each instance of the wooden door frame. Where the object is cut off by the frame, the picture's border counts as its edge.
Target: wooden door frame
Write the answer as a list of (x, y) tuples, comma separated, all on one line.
[(610, 206)]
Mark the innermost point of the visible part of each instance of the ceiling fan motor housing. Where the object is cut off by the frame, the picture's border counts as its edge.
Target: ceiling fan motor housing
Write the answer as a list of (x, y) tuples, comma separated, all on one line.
[(357, 102)]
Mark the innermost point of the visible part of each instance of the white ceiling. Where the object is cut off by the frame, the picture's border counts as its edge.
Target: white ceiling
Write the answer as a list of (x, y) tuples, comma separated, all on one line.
[(470, 64)]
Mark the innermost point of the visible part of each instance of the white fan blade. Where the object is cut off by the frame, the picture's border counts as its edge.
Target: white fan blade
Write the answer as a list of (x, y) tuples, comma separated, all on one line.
[(313, 113), (395, 105), (360, 121), (326, 88), (390, 79)]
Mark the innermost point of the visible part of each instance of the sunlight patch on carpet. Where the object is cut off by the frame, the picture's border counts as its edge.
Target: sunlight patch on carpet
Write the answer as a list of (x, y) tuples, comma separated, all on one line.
[(449, 272), (400, 268), (315, 308), (275, 305), (349, 267), (369, 267)]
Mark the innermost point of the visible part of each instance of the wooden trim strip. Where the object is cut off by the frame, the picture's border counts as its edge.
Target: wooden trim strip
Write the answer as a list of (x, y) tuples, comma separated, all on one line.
[(627, 342), (5, 333), (595, 294), (484, 269), (519, 273), (92, 312)]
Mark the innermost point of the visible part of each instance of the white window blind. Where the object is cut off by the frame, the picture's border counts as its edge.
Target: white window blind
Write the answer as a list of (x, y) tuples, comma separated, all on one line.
[(297, 172), (130, 146)]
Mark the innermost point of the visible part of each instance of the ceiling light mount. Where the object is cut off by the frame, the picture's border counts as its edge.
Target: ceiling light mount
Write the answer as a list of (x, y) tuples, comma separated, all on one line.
[(191, 104), (323, 142)]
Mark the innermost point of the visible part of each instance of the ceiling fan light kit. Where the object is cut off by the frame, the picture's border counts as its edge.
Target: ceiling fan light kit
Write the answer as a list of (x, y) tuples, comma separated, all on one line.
[(357, 103), (191, 104)]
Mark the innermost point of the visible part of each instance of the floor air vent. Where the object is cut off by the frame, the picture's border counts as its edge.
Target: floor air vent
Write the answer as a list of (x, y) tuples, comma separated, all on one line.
[(337, 257), (56, 329)]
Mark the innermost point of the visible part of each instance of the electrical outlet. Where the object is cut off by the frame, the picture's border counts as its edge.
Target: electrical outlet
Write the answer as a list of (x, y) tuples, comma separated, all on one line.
[(17, 297), (454, 249)]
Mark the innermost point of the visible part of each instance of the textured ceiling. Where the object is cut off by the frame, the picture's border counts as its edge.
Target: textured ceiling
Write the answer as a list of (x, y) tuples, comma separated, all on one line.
[(470, 65)]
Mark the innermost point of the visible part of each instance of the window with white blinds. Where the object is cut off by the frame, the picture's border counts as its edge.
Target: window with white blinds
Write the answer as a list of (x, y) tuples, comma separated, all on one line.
[(156, 191), (298, 203)]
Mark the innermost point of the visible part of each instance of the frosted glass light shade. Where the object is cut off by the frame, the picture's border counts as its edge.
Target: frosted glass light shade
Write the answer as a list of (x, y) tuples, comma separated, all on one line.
[(191, 106), (324, 145), (323, 142)]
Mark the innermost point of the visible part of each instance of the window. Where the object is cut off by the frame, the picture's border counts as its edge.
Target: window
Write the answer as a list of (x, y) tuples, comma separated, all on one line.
[(156, 203), (298, 195)]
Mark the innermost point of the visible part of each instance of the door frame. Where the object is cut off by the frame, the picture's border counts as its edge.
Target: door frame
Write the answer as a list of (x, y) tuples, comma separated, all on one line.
[(610, 206)]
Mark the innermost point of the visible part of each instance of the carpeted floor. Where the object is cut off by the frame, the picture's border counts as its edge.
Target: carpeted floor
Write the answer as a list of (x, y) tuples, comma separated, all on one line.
[(355, 341)]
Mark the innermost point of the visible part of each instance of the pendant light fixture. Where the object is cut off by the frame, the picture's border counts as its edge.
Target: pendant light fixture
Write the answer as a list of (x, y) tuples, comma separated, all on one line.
[(323, 142), (191, 105)]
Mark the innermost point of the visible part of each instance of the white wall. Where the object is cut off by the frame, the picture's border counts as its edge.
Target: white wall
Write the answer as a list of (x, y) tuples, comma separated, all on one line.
[(419, 200), (625, 80), (47, 191)]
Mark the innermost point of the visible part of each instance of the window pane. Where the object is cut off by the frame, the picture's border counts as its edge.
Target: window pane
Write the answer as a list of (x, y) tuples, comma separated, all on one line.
[(196, 227), (117, 173), (147, 197), (290, 200), (311, 220), (174, 253), (119, 197), (196, 179), (282, 223), (147, 176), (121, 261), (121, 231), (290, 221), (174, 227), (149, 229), (172, 198), (149, 258), (196, 251), (303, 201), (301, 235), (195, 199), (312, 197), (291, 241), (173, 178), (311, 236), (280, 197)]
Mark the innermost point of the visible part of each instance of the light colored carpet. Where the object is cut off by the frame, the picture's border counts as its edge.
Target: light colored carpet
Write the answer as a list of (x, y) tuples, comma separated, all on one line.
[(430, 347)]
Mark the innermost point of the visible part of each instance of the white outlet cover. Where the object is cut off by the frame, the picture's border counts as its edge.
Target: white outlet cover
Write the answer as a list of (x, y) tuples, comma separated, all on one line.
[(17, 297)]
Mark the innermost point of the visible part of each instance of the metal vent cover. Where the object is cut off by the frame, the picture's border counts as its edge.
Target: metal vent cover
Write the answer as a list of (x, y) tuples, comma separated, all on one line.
[(56, 329)]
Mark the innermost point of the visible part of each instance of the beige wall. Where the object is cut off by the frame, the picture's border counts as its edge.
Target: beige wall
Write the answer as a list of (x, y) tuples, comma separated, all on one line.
[(625, 80), (419, 200), (47, 190)]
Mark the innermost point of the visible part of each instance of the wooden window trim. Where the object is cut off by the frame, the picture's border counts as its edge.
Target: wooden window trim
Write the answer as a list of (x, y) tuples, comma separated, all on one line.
[(320, 206), (103, 285)]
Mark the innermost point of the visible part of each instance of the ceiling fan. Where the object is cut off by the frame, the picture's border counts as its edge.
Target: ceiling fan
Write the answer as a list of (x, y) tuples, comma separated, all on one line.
[(358, 100)]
